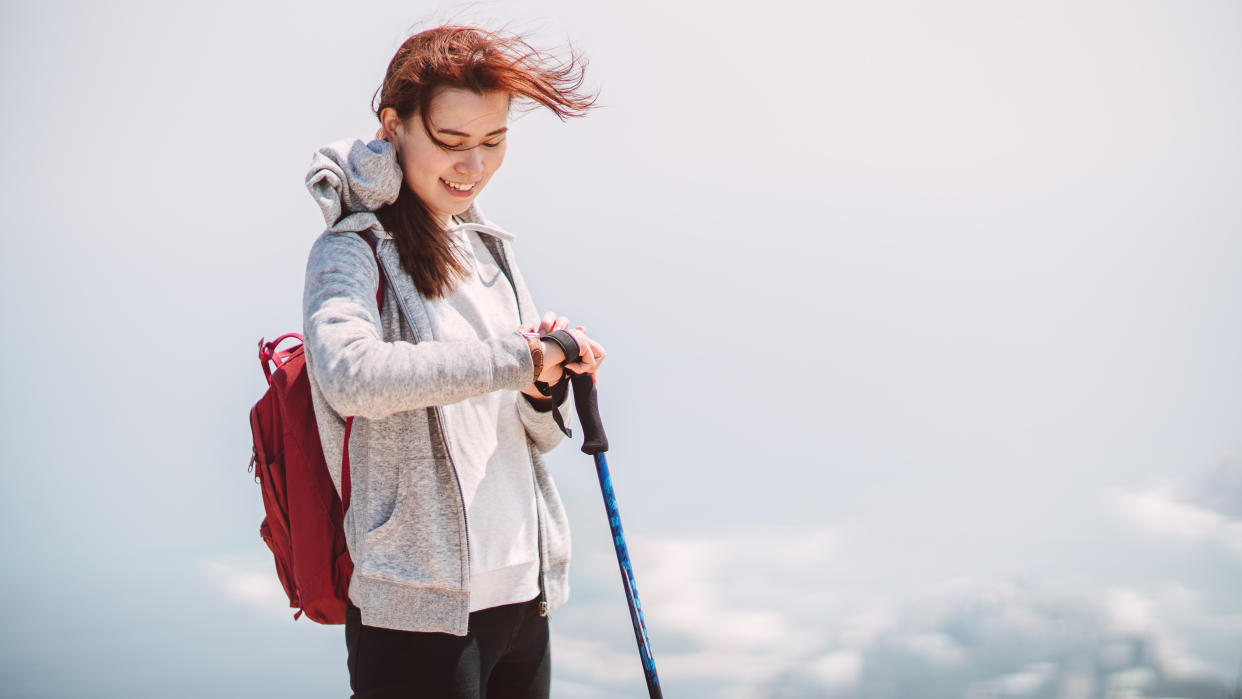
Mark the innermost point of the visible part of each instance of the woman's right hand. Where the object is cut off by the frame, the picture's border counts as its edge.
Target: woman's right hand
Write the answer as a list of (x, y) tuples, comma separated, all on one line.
[(591, 353)]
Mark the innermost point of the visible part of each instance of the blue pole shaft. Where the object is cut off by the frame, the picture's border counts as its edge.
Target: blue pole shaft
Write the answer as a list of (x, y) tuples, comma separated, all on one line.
[(627, 577)]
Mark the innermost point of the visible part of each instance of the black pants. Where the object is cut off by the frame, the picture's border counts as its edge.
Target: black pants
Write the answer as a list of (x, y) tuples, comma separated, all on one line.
[(505, 654)]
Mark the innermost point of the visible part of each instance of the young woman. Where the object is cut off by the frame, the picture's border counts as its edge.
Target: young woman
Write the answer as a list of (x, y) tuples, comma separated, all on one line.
[(442, 397)]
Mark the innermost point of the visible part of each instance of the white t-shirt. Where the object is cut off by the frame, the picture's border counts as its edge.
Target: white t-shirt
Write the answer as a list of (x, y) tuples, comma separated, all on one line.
[(489, 447)]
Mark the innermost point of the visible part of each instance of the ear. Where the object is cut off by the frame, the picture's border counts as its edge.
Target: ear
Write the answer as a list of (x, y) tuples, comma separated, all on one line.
[(391, 123)]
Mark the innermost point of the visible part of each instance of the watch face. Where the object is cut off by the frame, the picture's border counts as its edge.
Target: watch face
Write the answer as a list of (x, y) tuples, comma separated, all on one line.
[(537, 355)]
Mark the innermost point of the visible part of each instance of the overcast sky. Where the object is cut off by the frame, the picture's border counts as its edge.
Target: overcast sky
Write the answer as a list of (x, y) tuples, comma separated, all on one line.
[(924, 324)]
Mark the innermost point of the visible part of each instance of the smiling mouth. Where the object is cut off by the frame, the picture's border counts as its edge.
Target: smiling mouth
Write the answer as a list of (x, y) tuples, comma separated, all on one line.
[(459, 188)]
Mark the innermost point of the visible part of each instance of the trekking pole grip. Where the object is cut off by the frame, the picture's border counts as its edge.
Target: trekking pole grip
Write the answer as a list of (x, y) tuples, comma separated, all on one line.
[(594, 440)]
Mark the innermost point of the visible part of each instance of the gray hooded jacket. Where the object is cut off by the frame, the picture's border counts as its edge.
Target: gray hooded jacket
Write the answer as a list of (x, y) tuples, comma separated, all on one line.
[(406, 523)]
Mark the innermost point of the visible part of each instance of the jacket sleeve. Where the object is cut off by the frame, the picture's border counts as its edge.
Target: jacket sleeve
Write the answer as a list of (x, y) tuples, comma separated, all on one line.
[(541, 425), (362, 375)]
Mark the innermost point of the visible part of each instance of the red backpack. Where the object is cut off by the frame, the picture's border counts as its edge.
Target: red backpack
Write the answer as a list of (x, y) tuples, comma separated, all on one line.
[(304, 526)]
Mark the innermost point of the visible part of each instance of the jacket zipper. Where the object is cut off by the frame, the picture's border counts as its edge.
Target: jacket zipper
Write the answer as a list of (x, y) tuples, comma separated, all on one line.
[(461, 495), (543, 594), (543, 590)]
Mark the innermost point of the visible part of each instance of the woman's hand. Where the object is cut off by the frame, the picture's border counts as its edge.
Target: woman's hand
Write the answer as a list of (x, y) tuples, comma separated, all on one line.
[(553, 355), (591, 353)]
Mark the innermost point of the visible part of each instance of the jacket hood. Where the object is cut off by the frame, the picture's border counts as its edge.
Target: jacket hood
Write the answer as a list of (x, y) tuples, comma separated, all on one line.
[(351, 179)]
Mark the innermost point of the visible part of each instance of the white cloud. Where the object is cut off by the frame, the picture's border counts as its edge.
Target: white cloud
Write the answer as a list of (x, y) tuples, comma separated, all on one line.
[(1160, 512), (863, 629), (1032, 680), (250, 583), (721, 601), (838, 669), (719, 591), (582, 657), (935, 647), (712, 596), (1129, 613)]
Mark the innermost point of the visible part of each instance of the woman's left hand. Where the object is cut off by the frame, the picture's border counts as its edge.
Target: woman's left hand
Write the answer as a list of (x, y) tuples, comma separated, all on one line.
[(591, 353)]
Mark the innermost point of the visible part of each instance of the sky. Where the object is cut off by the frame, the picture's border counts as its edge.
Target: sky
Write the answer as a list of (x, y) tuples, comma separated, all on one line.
[(923, 325)]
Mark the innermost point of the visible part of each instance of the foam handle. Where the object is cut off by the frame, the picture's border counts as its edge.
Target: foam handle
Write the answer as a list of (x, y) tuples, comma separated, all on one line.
[(594, 440)]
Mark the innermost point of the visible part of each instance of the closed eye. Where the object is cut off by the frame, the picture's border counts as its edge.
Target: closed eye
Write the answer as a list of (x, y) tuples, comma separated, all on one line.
[(463, 146)]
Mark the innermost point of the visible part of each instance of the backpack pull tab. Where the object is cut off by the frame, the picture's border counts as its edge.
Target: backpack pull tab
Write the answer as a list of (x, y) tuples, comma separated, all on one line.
[(265, 355)]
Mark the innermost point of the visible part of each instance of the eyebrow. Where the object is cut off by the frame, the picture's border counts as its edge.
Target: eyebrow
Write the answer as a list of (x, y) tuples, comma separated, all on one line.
[(451, 132)]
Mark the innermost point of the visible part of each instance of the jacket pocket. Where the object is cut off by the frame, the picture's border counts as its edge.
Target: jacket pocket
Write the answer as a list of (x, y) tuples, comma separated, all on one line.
[(423, 541)]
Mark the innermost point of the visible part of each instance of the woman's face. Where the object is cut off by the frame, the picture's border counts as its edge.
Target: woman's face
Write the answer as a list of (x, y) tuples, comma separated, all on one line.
[(474, 126)]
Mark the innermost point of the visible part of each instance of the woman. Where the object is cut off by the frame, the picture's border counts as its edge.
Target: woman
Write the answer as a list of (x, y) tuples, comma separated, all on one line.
[(442, 397)]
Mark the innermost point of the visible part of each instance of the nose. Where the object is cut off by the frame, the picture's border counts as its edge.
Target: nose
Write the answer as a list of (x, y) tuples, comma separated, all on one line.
[(471, 163)]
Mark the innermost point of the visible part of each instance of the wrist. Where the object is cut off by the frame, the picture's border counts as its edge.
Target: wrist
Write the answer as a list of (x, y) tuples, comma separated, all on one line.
[(552, 352)]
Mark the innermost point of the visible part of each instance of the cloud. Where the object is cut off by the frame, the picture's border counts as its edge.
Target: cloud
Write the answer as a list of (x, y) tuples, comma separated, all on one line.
[(838, 669), (1219, 488), (936, 648), (727, 621), (712, 598), (1161, 513), (1030, 681), (986, 638), (250, 583), (755, 612), (1205, 509)]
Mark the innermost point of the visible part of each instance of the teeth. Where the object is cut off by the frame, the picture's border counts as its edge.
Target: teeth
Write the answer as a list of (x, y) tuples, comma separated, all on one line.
[(459, 187)]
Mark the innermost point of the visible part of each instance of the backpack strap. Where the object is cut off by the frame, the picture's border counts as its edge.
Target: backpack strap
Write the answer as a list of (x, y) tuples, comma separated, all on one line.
[(379, 268), (346, 488)]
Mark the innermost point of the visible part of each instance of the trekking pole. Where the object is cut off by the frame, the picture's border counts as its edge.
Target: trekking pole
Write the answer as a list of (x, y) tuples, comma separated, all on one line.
[(595, 442)]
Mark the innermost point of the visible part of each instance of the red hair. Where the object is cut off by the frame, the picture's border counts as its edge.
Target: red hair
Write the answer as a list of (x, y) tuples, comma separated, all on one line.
[(473, 59)]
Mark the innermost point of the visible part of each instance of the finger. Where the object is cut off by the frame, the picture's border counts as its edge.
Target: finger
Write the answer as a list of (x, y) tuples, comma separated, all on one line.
[(598, 350), (596, 347), (584, 347), (549, 320), (562, 323), (585, 343)]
